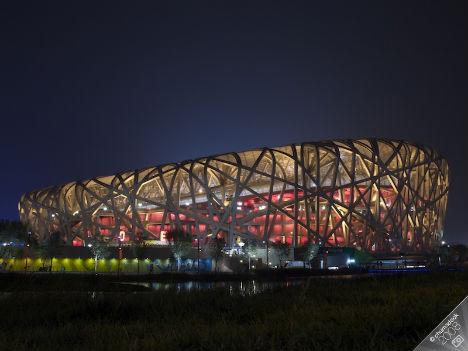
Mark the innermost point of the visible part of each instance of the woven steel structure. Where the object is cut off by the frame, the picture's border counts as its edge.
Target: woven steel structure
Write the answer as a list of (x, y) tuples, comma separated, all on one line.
[(379, 195)]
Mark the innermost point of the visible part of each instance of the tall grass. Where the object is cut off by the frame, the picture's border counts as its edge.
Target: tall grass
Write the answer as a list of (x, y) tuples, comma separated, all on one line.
[(385, 313)]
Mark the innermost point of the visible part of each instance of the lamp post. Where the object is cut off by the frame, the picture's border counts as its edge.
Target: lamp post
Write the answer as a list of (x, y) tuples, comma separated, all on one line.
[(27, 254), (267, 254), (198, 253), (120, 256), (241, 244), (27, 251)]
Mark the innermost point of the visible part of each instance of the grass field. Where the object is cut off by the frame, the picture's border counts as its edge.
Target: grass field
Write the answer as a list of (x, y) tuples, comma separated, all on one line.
[(384, 313)]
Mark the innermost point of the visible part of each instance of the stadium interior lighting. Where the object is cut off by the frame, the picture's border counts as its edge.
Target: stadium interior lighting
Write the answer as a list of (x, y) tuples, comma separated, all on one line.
[(342, 193)]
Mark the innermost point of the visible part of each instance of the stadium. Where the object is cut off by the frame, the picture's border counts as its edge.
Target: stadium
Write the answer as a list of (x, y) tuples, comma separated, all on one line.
[(381, 196)]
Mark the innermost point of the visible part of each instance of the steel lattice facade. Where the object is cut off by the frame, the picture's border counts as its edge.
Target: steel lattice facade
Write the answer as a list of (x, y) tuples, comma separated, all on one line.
[(379, 195)]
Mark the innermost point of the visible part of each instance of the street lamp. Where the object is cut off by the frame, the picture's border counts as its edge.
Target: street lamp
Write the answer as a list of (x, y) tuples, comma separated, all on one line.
[(120, 255), (267, 253), (241, 245), (28, 243), (198, 253)]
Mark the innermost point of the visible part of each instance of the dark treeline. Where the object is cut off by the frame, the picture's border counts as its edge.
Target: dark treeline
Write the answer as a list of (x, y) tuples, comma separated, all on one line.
[(12, 230)]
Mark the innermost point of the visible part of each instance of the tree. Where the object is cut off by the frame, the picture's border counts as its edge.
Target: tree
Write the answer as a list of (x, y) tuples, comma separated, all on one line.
[(250, 249), (49, 248), (216, 246), (8, 252), (99, 249), (282, 250), (13, 231), (181, 244), (138, 250), (460, 252), (311, 252)]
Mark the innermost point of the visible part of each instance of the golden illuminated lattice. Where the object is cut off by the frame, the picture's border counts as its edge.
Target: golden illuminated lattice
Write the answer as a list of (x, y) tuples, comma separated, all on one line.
[(380, 195)]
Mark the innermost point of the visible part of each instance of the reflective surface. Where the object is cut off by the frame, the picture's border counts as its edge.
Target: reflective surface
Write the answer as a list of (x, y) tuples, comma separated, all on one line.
[(247, 287)]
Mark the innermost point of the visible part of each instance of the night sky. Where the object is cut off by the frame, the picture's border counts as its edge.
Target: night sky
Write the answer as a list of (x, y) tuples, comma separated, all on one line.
[(93, 88)]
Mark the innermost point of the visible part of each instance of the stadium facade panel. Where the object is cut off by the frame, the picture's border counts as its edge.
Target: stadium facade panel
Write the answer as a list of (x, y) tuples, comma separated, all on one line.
[(373, 194)]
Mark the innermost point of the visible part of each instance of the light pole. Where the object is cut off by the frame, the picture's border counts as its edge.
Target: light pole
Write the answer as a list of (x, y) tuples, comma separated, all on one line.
[(241, 244), (120, 256), (27, 254), (267, 253), (198, 253), (27, 251)]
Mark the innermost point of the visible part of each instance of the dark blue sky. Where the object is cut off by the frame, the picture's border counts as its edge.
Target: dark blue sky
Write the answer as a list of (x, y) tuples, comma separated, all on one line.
[(92, 88)]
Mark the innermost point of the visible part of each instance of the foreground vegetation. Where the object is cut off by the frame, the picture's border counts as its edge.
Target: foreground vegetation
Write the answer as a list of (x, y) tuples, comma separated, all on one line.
[(376, 313)]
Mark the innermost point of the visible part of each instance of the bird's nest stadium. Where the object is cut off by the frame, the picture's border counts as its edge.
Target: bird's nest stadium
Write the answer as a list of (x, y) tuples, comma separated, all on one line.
[(371, 194)]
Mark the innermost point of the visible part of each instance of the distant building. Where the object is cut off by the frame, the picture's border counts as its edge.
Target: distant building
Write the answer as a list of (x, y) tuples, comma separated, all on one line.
[(372, 194)]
